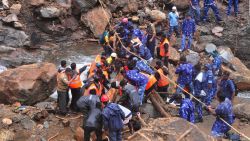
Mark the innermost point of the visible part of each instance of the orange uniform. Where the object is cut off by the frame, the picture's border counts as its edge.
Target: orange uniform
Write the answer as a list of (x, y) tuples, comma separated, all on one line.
[(162, 48), (151, 80), (163, 81)]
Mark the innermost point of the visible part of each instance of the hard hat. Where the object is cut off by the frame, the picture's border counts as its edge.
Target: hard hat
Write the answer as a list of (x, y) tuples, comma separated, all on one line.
[(125, 20), (174, 8), (104, 98), (114, 55)]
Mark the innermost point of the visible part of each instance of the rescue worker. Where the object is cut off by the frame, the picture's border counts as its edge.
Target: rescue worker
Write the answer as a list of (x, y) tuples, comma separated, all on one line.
[(185, 78), (127, 25), (142, 66), (63, 79), (151, 85), (63, 66), (173, 17), (211, 4), (113, 118), (92, 119), (209, 84), (162, 80), (186, 110), (216, 63), (93, 84), (150, 38), (235, 3), (137, 79), (188, 30), (75, 86), (164, 49), (104, 41), (137, 33), (225, 111), (226, 86), (130, 96), (194, 10), (142, 51)]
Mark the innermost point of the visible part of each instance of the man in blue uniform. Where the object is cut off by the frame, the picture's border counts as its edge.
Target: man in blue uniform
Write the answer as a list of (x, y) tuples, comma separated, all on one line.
[(211, 4), (185, 78), (225, 111), (186, 110), (173, 22), (235, 4), (226, 86), (195, 10), (143, 52), (209, 84), (188, 30)]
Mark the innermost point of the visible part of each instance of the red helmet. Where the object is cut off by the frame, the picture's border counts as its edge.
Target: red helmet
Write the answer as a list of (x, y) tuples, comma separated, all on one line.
[(104, 98)]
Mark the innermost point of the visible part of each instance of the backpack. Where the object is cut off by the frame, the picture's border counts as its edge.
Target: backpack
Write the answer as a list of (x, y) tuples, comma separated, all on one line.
[(116, 116), (102, 38)]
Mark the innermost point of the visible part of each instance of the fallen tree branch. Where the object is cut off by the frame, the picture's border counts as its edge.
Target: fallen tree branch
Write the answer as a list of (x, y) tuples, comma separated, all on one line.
[(184, 134), (69, 118), (53, 136), (158, 107)]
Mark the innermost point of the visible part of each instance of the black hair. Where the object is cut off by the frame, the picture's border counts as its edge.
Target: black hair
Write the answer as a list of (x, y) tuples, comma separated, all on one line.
[(159, 63), (221, 96), (68, 70), (136, 125), (183, 59), (123, 82), (92, 91), (63, 63), (73, 66), (157, 76), (131, 65), (98, 105), (113, 85)]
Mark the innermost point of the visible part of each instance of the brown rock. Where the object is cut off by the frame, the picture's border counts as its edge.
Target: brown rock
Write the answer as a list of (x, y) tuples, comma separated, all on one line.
[(96, 19), (18, 25), (174, 54), (36, 2), (15, 9), (131, 7), (66, 123), (181, 4), (242, 111), (79, 134), (155, 14), (31, 83)]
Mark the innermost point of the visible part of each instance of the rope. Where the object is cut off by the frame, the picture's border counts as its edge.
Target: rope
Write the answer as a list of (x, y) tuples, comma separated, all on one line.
[(171, 81)]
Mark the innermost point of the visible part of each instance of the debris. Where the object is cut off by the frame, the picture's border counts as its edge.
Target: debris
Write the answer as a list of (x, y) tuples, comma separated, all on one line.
[(5, 4), (18, 25), (15, 9), (7, 121), (217, 31), (50, 12), (210, 48), (10, 18), (155, 14), (66, 123), (28, 124), (184, 134), (36, 2), (6, 49), (46, 124)]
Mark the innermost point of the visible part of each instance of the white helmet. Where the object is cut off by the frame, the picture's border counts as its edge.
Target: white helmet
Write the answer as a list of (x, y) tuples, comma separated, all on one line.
[(114, 55), (174, 8)]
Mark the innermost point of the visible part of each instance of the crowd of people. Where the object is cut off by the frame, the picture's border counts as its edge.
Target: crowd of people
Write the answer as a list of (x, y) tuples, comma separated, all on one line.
[(126, 67)]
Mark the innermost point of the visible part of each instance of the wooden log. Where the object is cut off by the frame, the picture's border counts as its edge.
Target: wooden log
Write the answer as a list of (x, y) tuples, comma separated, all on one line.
[(158, 106)]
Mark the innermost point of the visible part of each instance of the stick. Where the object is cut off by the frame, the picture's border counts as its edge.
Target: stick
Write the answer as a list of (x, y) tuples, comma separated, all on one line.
[(53, 136), (184, 134), (69, 118), (92, 40)]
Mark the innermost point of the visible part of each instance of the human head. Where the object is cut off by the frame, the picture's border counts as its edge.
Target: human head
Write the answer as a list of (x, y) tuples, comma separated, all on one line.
[(178, 98), (188, 16), (104, 99), (68, 71), (226, 75), (131, 65), (113, 55), (174, 8), (92, 92), (136, 125), (220, 96), (123, 83), (158, 64), (98, 105), (73, 66), (183, 59), (113, 85), (125, 20), (63, 63), (157, 76)]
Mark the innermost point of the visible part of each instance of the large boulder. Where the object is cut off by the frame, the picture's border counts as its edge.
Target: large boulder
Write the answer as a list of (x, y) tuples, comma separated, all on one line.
[(96, 19), (13, 38), (155, 14), (50, 12), (174, 54), (170, 129), (131, 7), (181, 4), (239, 72), (28, 83), (193, 57), (242, 111), (84, 5)]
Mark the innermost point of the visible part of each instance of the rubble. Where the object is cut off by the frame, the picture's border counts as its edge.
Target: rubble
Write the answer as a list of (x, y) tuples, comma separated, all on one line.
[(15, 9), (50, 12), (155, 14), (37, 2), (10, 18)]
